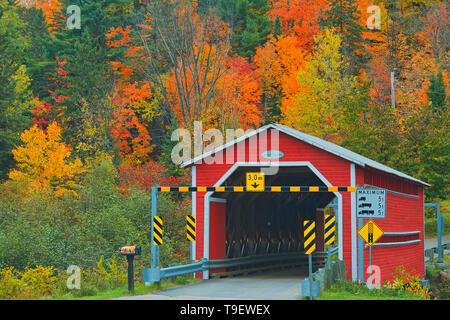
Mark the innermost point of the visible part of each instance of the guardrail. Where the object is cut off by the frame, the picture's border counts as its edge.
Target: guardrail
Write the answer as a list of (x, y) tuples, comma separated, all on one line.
[(331, 252), (260, 262)]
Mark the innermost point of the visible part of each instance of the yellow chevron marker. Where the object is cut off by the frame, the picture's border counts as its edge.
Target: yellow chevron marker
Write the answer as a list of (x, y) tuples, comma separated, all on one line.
[(157, 231), (190, 227), (309, 236), (330, 229)]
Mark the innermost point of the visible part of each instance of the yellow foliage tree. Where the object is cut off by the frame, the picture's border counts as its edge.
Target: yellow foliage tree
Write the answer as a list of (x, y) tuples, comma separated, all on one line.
[(320, 104), (43, 161)]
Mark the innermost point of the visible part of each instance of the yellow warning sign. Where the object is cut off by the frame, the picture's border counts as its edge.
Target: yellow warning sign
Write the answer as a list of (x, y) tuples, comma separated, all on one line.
[(255, 181), (370, 232)]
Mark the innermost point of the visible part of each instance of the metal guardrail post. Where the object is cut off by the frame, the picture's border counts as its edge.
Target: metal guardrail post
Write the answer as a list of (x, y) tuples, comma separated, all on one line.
[(154, 250), (440, 227)]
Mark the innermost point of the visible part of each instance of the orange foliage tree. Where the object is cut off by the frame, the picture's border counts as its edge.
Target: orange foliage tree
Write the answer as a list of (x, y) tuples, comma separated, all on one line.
[(43, 161), (50, 9), (238, 96), (299, 18), (278, 64), (235, 101), (132, 99)]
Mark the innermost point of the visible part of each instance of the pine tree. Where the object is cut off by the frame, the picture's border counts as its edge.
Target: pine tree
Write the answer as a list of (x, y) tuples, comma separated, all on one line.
[(250, 23), (343, 16), (88, 80), (436, 92), (16, 98)]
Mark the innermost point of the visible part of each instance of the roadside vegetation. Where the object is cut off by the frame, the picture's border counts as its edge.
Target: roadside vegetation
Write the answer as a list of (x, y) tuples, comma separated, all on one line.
[(105, 281), (404, 286), (42, 235)]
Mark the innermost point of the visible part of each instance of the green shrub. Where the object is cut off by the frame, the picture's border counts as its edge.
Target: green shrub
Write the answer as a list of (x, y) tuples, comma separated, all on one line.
[(33, 283)]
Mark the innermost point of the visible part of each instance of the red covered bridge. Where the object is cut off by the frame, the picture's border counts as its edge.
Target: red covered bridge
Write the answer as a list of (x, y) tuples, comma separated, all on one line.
[(226, 220)]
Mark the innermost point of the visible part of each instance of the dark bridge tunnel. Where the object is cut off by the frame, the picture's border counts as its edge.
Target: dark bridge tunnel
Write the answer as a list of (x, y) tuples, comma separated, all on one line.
[(270, 222)]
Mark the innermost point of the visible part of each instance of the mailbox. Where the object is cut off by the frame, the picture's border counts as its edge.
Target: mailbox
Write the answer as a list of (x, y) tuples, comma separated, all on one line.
[(130, 250)]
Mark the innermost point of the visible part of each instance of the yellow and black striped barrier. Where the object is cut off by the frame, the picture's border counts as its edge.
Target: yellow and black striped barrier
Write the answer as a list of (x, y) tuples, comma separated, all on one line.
[(267, 189), (330, 229), (190, 227), (309, 236), (157, 231)]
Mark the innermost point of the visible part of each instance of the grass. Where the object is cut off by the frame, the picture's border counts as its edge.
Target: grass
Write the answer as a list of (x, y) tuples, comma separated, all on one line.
[(139, 289), (347, 290)]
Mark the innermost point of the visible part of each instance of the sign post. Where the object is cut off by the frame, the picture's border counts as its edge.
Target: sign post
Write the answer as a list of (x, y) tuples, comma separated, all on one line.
[(309, 243), (130, 252), (371, 204), (370, 233)]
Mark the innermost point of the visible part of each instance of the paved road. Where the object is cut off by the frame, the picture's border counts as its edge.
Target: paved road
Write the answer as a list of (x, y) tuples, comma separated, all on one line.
[(430, 243), (281, 285)]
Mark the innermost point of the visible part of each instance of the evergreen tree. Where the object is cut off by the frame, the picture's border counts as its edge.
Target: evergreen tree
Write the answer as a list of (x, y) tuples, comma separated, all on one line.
[(39, 60), (250, 23), (436, 92), (343, 16), (16, 99), (277, 27), (88, 79)]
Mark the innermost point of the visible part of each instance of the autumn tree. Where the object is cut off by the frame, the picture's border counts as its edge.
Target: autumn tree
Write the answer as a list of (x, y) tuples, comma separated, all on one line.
[(299, 18), (194, 48), (87, 82), (319, 105), (43, 161), (51, 10), (237, 100), (133, 101), (278, 63), (435, 31)]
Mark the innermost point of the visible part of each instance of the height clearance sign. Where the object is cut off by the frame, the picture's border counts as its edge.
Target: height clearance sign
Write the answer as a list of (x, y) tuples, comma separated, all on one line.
[(255, 181)]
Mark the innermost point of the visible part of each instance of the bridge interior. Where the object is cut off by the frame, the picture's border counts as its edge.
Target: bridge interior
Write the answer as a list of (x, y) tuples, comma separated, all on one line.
[(261, 223)]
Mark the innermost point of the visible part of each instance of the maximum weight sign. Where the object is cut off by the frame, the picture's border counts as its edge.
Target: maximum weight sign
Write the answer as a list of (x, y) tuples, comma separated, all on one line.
[(371, 203)]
